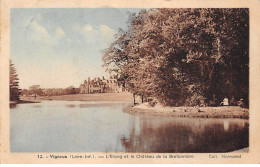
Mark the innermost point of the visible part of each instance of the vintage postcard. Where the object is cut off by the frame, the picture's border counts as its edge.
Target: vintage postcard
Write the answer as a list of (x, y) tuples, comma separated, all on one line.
[(155, 81)]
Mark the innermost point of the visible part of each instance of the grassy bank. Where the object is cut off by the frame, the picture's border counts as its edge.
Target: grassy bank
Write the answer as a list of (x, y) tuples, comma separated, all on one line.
[(84, 97), (203, 112)]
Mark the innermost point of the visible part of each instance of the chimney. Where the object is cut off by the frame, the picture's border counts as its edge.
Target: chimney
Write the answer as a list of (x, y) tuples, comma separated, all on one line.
[(103, 78), (88, 79)]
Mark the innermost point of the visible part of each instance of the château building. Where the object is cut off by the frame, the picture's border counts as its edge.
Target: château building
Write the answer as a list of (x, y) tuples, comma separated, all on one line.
[(103, 85)]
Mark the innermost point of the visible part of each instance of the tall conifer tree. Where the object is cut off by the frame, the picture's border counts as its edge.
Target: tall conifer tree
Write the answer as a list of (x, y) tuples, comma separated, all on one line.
[(14, 84)]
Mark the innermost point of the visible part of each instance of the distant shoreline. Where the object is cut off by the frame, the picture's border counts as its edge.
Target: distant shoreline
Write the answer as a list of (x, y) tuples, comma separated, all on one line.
[(81, 97), (201, 112), (23, 101)]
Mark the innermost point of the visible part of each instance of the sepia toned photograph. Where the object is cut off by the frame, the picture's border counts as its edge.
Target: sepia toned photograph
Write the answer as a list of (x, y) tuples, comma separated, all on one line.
[(129, 80)]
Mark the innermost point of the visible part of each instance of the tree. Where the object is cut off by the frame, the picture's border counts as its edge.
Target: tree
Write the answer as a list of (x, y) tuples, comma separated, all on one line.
[(71, 90), (14, 83), (183, 56), (35, 89)]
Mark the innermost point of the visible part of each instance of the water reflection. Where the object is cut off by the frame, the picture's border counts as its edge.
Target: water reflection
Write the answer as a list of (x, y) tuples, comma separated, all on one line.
[(95, 105), (36, 106), (13, 105), (70, 105), (51, 126), (226, 125), (186, 135)]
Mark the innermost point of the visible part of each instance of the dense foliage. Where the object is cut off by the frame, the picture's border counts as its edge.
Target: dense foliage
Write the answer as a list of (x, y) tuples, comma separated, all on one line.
[(184, 56)]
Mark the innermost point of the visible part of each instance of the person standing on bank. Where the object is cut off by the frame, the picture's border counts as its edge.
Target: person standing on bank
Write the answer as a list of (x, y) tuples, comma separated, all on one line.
[(224, 102)]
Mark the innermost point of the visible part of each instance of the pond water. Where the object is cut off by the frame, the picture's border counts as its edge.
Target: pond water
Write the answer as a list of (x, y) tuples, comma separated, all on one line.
[(76, 126)]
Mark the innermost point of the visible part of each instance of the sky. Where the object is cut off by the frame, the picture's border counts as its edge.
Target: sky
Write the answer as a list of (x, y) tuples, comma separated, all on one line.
[(58, 48)]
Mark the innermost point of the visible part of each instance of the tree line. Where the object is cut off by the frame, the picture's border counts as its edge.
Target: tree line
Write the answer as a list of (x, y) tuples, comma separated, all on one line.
[(183, 56), (38, 91), (34, 90)]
